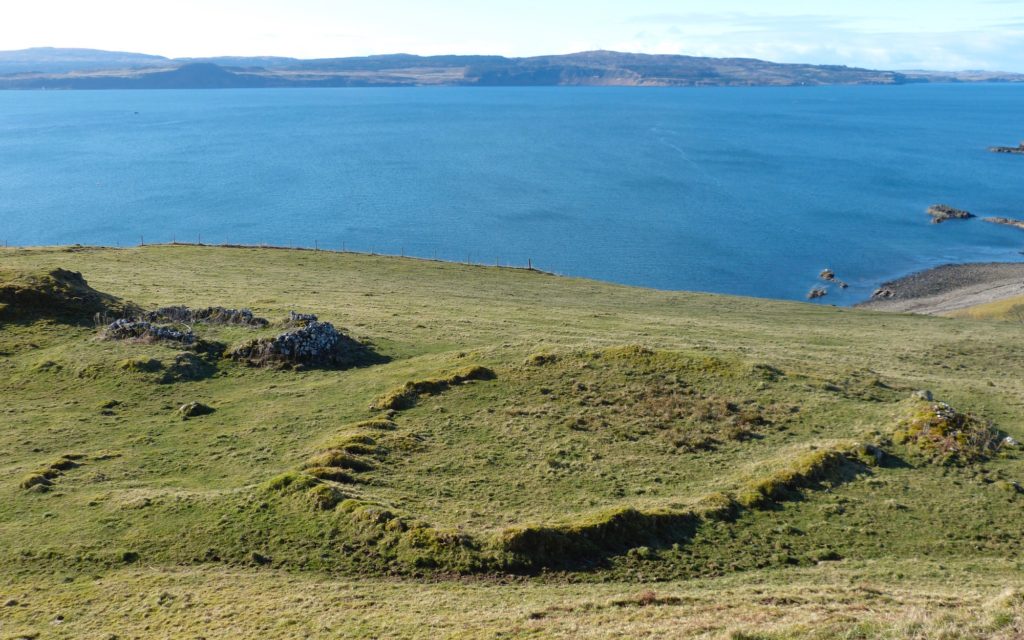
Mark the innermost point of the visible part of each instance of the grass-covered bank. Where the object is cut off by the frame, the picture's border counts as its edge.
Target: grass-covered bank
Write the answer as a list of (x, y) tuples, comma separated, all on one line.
[(915, 598), (550, 430)]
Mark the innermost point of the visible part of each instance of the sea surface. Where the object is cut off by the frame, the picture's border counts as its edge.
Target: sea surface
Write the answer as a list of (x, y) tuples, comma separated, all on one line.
[(736, 190)]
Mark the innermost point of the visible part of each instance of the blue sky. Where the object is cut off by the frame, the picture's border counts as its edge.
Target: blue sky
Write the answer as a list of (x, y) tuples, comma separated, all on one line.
[(895, 34)]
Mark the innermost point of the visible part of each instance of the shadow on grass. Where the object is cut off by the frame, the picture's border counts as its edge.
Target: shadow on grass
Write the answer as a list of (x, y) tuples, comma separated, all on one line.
[(590, 544)]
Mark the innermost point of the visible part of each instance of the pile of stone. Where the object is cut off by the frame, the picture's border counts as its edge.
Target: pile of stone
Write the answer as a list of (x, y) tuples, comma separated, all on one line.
[(299, 319), (209, 315), (312, 343), (130, 329)]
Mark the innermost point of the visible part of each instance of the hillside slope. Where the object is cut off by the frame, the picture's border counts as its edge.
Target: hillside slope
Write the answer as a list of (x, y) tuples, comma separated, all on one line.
[(86, 69), (522, 453)]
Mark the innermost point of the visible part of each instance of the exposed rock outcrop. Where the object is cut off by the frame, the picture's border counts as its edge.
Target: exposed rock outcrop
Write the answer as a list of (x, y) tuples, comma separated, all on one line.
[(816, 293), (828, 275), (1018, 150), (943, 212), (1009, 222)]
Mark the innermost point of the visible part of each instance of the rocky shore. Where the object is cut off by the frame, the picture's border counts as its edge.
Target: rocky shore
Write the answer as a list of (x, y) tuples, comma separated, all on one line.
[(949, 287), (1019, 150), (1009, 222)]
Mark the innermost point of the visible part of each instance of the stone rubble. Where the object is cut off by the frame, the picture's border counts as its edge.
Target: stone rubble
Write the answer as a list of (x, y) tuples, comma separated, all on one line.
[(313, 343), (210, 315), (129, 329)]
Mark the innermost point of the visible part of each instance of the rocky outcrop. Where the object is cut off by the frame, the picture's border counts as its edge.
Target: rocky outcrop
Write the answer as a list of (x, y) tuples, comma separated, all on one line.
[(130, 329), (816, 293), (943, 212), (312, 343), (1019, 150), (1009, 222)]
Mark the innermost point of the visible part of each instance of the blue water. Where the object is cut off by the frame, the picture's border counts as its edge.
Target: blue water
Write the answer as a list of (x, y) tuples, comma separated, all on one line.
[(748, 191)]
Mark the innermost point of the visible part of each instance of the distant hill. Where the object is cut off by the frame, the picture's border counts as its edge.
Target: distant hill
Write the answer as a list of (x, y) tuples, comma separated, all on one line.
[(48, 68), (51, 60)]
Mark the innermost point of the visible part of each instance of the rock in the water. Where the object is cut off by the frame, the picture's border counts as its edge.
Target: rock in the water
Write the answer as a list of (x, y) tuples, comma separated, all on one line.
[(1009, 222), (1019, 150), (829, 275), (194, 410), (942, 212), (817, 292)]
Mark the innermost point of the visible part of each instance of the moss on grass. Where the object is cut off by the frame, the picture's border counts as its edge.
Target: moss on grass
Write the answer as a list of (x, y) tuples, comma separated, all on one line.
[(948, 437)]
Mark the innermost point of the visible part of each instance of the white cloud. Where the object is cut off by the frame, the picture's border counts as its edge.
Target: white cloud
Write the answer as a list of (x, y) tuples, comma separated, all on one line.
[(827, 40)]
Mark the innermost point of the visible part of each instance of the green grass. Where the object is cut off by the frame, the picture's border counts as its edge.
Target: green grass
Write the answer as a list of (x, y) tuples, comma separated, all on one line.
[(591, 439)]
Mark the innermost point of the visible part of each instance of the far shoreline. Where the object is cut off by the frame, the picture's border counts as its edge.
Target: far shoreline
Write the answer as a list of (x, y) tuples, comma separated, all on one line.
[(948, 288)]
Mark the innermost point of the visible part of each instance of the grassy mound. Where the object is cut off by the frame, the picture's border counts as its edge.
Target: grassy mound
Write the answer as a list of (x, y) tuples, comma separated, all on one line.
[(56, 294), (406, 396), (590, 541), (947, 436)]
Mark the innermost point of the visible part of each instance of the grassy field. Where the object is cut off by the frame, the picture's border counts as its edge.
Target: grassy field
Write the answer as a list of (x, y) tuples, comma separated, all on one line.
[(1011, 310), (528, 456)]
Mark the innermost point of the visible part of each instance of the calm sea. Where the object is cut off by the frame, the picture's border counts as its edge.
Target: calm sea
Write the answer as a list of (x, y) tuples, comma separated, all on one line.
[(748, 191)]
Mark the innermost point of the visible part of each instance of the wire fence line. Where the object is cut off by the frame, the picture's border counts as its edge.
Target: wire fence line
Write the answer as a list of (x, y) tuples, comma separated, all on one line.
[(340, 247)]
